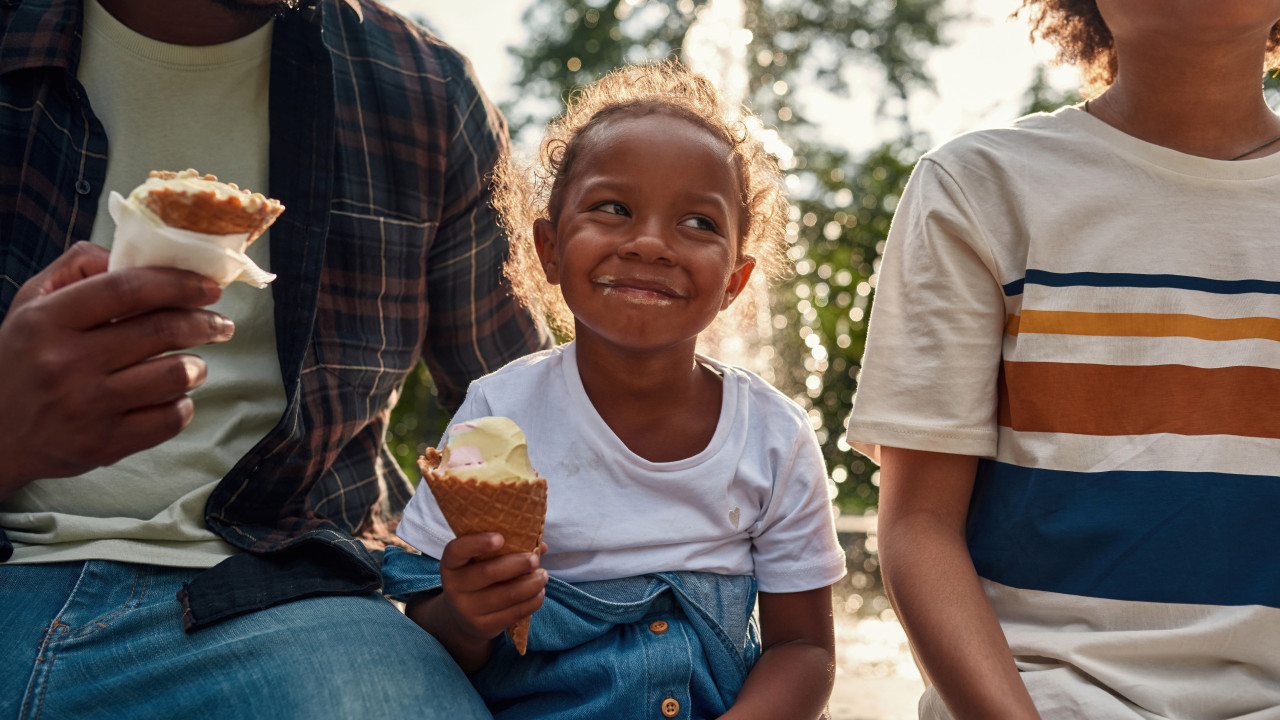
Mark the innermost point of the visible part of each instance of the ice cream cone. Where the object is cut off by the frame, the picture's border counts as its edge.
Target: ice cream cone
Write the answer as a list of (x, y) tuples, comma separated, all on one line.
[(190, 201), (517, 509)]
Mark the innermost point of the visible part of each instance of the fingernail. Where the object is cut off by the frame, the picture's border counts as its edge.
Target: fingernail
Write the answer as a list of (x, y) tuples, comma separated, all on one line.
[(224, 328), (212, 290), (533, 560)]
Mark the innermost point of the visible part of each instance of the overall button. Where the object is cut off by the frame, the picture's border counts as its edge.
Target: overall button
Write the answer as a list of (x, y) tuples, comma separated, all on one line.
[(658, 627), (670, 708), (82, 186)]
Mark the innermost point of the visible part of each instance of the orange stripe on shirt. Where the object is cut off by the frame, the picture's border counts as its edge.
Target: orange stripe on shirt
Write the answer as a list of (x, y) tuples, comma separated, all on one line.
[(1109, 400), (1062, 322)]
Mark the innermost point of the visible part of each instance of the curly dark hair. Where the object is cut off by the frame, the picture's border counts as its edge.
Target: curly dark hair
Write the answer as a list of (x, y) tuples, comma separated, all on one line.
[(1077, 30), (524, 194)]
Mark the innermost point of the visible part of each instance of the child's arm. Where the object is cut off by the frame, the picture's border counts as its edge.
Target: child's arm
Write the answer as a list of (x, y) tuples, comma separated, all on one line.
[(929, 575), (794, 675), (480, 598)]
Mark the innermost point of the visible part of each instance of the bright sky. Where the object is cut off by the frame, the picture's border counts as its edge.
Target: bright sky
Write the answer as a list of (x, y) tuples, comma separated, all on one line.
[(980, 79)]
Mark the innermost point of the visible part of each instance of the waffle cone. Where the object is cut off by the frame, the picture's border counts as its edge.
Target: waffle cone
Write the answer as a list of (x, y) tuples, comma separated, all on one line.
[(517, 509), (210, 213)]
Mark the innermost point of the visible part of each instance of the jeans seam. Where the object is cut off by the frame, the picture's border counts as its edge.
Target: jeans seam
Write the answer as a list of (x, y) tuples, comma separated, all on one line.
[(44, 660), (52, 638), (140, 577)]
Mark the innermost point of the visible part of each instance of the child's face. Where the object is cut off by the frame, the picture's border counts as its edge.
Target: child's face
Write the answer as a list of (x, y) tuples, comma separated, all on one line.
[(646, 244)]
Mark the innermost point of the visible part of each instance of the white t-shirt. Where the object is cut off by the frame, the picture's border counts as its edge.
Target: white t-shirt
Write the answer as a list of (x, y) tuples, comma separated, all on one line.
[(1099, 319), (754, 502)]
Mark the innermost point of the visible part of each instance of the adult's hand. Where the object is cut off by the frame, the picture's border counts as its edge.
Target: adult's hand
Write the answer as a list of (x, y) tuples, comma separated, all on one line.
[(83, 378)]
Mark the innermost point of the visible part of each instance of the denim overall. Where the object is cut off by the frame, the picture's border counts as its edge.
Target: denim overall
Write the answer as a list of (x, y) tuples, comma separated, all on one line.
[(672, 644)]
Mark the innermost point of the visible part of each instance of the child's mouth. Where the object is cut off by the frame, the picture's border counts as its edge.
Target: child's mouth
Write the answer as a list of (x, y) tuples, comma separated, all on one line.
[(645, 290)]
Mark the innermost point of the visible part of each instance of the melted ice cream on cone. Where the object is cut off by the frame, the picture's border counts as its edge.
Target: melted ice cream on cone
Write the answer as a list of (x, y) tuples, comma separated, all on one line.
[(483, 482)]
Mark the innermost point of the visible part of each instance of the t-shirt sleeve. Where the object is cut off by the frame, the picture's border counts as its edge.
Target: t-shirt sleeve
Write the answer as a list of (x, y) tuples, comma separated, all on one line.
[(929, 373), (794, 547), (423, 526)]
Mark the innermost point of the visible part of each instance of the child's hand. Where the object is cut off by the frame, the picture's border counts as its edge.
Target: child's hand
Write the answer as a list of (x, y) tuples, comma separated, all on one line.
[(483, 597)]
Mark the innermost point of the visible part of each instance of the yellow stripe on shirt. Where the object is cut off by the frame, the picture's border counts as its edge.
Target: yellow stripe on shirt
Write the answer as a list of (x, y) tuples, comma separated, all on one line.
[(1063, 322)]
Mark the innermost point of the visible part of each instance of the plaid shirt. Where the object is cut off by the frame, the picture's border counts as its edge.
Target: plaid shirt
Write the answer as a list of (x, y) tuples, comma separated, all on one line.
[(380, 142)]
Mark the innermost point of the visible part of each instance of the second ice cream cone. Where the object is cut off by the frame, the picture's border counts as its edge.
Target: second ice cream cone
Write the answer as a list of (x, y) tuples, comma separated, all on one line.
[(515, 508)]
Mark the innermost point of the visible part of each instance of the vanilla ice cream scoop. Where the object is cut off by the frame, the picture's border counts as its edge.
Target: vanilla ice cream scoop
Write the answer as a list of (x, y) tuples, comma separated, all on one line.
[(489, 449)]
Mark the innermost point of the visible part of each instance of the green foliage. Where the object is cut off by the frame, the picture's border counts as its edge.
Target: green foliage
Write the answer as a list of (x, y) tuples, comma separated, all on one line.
[(1043, 97), (841, 204), (573, 42), (416, 421), (840, 232)]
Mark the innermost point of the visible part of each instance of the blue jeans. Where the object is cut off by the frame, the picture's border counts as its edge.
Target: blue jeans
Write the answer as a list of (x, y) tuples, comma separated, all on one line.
[(102, 639)]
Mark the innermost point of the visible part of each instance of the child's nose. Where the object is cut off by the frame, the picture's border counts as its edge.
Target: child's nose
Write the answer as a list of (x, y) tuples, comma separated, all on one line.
[(650, 243)]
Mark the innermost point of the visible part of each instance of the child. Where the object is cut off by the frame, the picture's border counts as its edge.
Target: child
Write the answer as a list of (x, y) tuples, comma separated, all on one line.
[(1072, 374), (676, 483)]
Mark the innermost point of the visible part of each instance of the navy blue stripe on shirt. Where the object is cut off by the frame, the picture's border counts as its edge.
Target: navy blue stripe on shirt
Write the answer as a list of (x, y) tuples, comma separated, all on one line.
[(1139, 280), (1173, 537)]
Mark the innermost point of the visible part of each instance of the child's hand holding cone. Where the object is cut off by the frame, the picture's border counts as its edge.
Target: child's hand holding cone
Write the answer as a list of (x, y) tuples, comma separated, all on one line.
[(496, 505), (485, 597)]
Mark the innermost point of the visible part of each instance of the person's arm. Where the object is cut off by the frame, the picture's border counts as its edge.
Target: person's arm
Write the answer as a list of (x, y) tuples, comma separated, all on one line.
[(84, 377), (476, 325), (479, 598), (934, 589), (796, 671)]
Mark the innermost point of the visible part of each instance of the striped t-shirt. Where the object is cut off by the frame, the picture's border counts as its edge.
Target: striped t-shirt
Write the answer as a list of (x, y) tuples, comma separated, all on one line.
[(1099, 319)]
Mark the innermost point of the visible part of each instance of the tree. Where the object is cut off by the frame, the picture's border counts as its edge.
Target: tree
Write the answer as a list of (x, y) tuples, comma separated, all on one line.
[(841, 204)]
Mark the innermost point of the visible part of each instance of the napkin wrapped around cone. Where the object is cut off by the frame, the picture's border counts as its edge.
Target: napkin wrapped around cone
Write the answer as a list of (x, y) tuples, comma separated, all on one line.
[(483, 483), (190, 221)]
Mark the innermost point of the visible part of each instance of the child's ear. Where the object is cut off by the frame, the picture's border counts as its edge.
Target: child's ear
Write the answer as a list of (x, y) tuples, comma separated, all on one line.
[(738, 281), (544, 241)]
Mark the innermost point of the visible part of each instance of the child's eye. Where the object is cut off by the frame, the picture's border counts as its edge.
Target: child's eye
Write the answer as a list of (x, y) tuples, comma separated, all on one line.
[(613, 208), (700, 223)]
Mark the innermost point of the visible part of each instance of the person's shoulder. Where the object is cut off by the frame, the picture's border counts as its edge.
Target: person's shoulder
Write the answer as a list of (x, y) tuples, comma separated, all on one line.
[(383, 35), (1030, 135), (763, 399), (523, 368)]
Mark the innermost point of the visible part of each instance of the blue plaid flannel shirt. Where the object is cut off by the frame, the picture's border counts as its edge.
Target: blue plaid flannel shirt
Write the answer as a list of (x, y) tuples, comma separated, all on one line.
[(380, 143)]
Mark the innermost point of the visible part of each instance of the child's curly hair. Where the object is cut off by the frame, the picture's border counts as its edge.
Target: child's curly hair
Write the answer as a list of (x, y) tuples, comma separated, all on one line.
[(524, 195), (1077, 30)]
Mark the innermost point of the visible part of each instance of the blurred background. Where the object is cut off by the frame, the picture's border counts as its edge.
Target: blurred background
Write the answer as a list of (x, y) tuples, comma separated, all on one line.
[(851, 93)]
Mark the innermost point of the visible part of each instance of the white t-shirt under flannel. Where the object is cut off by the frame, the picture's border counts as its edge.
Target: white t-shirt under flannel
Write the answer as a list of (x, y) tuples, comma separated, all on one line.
[(1099, 319), (754, 502)]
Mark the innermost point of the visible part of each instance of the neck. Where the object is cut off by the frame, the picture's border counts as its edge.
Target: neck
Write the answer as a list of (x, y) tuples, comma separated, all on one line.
[(187, 22), (641, 382), (662, 405), (1204, 101)]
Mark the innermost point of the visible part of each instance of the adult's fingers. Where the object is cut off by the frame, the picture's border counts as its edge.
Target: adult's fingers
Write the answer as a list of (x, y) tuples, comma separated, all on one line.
[(132, 340), (147, 427), (130, 432), (82, 260), (153, 382), (104, 297)]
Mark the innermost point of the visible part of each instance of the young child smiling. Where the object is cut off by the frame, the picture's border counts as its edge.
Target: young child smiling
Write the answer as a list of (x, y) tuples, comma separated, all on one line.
[(677, 485)]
